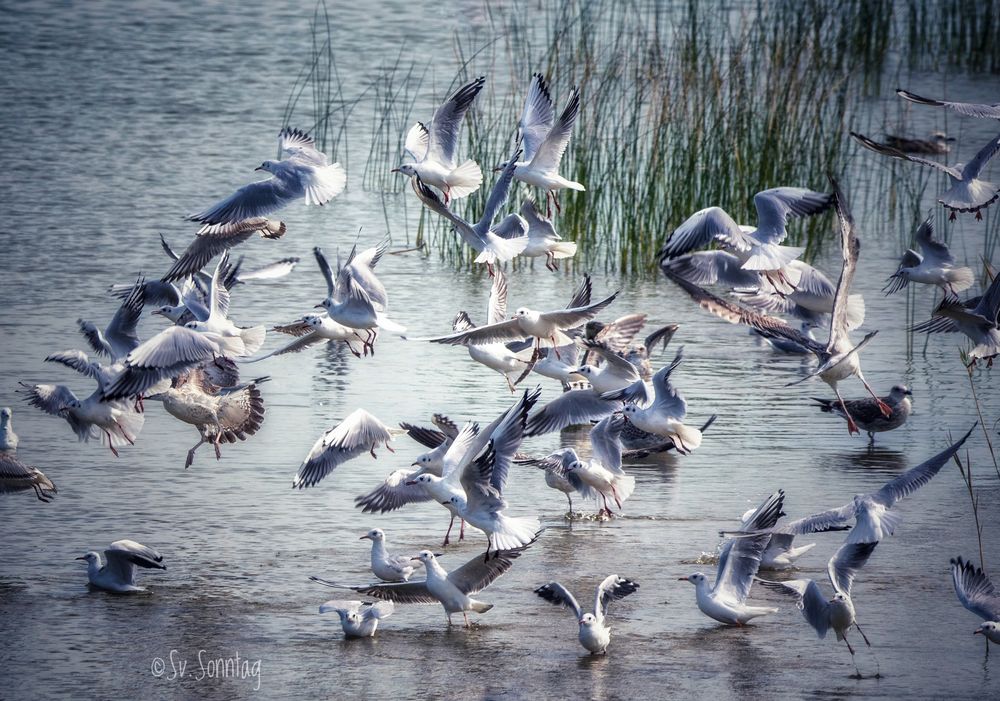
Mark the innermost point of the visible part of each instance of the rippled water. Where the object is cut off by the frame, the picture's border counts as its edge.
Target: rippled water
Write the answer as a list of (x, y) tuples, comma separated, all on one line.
[(117, 121)]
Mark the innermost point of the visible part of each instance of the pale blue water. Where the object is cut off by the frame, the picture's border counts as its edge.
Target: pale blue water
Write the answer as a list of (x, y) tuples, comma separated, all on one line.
[(118, 120)]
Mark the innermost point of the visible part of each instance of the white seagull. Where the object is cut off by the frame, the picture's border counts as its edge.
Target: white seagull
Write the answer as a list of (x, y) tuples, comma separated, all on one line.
[(236, 341), (388, 568), (117, 573), (595, 634), (968, 193), (980, 324), (665, 415), (603, 473), (305, 173), (935, 266), (359, 433), (452, 590), (542, 237), (359, 620), (434, 149), (738, 564), (545, 140), (976, 592), (8, 439)]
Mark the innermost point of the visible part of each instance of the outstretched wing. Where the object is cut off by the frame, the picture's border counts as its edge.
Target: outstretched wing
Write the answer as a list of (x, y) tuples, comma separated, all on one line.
[(477, 574), (918, 476), (884, 150), (551, 150), (556, 593), (975, 590), (536, 117), (611, 589), (845, 563), (443, 134)]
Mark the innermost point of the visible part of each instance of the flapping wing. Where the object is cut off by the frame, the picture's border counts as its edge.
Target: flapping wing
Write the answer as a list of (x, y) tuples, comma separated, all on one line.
[(475, 575), (845, 563), (571, 408), (202, 250), (606, 444), (702, 228), (850, 248), (121, 332), (975, 167), (497, 309), (668, 401), (536, 117), (896, 153), (551, 150), (620, 333), (295, 143), (427, 437), (360, 432), (398, 592), (969, 109), (933, 249), (918, 476), (540, 227), (498, 196), (574, 316), (271, 271), (417, 139), (975, 590), (713, 267), (810, 600), (508, 330), (737, 314), (257, 199), (556, 593), (611, 589), (394, 493), (123, 556), (582, 294), (443, 134), (775, 206), (742, 560), (615, 363), (324, 267)]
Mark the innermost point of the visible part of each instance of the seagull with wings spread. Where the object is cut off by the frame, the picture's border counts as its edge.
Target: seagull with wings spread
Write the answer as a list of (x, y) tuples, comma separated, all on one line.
[(975, 591), (304, 173), (358, 620), (838, 359), (117, 572), (752, 253), (935, 266), (494, 244), (595, 634), (837, 613), (542, 237), (545, 140), (357, 434), (968, 193), (434, 148), (453, 590), (969, 109)]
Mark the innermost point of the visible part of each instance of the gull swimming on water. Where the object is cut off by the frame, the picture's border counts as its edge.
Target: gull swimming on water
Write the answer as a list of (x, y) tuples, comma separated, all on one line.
[(545, 140), (359, 620), (595, 634), (866, 413), (968, 193), (935, 267), (838, 358), (117, 572), (8, 439), (434, 149), (738, 564), (757, 249), (305, 174), (453, 590), (15, 476), (838, 612), (975, 591), (494, 244), (936, 143), (388, 568), (359, 433)]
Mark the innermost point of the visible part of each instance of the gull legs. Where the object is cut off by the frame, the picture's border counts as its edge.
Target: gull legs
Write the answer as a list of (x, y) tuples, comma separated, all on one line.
[(878, 666), (550, 261), (852, 427), (882, 406)]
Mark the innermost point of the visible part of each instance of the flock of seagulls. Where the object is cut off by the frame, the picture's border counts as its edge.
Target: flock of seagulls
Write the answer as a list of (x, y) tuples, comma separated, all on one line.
[(609, 380)]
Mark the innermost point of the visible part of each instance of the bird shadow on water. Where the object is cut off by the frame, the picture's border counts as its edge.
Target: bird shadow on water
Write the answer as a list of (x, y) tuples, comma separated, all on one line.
[(874, 459), (335, 366)]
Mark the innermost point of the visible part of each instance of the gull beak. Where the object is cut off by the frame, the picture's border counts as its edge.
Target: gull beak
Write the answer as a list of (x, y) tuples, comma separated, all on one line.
[(83, 558), (682, 579), (445, 503), (257, 168), (497, 169), (975, 632), (364, 537), (908, 392), (414, 464), (156, 312), (318, 306), (395, 170), (414, 559), (410, 483), (438, 554)]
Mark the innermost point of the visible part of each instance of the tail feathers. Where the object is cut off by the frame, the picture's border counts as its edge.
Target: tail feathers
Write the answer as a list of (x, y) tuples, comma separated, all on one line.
[(970, 196), (572, 185), (755, 611), (253, 338), (389, 325), (499, 249), (624, 486), (856, 310), (326, 183), (129, 425), (479, 606), (563, 249), (793, 554), (825, 405), (464, 180), (960, 278), (514, 532), (772, 257), (685, 438)]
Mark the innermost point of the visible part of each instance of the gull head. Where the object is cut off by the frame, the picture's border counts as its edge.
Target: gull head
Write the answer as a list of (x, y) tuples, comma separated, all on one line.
[(629, 410), (575, 465), (524, 313), (988, 628), (422, 460), (91, 557), (269, 166), (424, 556), (696, 579), (313, 320), (585, 370), (325, 304), (353, 617), (406, 169), (500, 167), (195, 325), (419, 479), (5, 414), (375, 534), (898, 392), (588, 619), (172, 313)]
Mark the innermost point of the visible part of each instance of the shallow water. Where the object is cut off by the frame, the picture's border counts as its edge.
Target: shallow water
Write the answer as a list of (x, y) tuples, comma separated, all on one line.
[(117, 123)]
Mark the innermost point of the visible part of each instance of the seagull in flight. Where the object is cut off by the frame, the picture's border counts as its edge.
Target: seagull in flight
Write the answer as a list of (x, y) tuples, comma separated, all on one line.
[(935, 266), (304, 173), (968, 193), (595, 634), (969, 109), (434, 148), (975, 591), (359, 433)]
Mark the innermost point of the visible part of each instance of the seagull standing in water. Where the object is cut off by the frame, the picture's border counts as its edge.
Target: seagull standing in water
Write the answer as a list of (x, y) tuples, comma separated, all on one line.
[(838, 612), (388, 568), (305, 174), (866, 412), (434, 149), (595, 634), (453, 590), (738, 564), (117, 572), (545, 140), (358, 620)]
